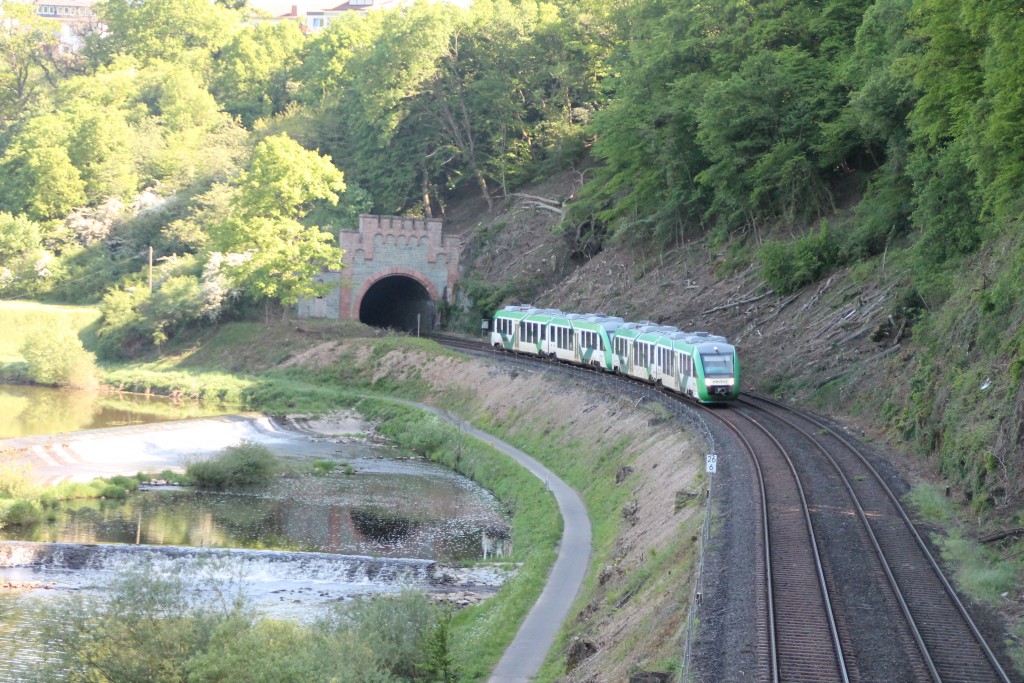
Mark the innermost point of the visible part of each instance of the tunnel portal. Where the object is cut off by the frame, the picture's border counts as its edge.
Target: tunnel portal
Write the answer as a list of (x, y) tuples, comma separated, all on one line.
[(393, 269), (395, 302)]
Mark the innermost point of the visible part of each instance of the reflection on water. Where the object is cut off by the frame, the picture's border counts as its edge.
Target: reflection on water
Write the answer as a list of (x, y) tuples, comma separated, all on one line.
[(29, 410), (387, 509), (411, 512)]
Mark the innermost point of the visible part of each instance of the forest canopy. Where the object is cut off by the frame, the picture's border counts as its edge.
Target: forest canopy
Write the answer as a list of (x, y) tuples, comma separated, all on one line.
[(687, 120)]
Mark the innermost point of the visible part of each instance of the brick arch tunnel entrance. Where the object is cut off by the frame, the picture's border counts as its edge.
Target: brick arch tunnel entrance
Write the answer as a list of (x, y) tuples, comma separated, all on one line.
[(394, 269), (399, 302)]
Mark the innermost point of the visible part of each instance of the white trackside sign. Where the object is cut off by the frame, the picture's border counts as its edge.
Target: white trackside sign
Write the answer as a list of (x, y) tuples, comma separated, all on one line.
[(712, 463)]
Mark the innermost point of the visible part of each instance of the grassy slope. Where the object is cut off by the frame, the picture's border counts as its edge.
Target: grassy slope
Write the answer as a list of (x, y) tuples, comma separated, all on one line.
[(295, 367)]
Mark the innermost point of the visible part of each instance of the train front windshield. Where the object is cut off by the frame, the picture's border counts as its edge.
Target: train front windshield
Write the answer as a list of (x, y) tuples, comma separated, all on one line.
[(717, 364)]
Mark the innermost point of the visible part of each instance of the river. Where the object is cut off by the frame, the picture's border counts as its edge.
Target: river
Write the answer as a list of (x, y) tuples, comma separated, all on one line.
[(375, 524)]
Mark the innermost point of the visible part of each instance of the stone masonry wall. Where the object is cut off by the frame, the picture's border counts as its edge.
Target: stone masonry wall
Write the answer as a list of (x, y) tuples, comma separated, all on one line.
[(386, 246)]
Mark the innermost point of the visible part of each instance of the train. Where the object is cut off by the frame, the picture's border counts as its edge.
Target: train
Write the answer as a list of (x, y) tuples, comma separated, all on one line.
[(699, 365)]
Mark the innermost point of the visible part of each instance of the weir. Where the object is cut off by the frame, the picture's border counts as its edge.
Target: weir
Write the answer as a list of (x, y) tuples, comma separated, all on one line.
[(60, 561)]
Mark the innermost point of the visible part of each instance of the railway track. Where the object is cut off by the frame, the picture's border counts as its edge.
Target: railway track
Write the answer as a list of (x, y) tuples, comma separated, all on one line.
[(799, 625), (849, 589), (934, 632)]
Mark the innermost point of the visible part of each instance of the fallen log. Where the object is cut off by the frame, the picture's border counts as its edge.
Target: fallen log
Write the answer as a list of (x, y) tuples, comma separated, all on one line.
[(737, 303), (1005, 533)]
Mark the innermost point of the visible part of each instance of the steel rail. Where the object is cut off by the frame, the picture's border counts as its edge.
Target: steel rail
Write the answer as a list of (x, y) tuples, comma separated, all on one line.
[(769, 593), (837, 648), (989, 654)]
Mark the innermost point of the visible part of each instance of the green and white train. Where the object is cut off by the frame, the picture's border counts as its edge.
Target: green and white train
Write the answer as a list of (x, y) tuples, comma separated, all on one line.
[(700, 365)]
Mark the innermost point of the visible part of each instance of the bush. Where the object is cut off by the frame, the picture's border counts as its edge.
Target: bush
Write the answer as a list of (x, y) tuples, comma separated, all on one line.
[(323, 467), (15, 480), (114, 492), (23, 513), (247, 464), (56, 356), (788, 266)]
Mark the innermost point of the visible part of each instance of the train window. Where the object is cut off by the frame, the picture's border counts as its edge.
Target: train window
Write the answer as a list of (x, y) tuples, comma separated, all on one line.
[(717, 364), (543, 332)]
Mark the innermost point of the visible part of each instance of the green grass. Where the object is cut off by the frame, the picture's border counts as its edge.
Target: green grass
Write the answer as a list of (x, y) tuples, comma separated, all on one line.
[(24, 503), (931, 504), (482, 633)]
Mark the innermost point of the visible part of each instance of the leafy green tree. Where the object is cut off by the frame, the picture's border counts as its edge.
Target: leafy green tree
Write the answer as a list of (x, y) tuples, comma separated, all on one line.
[(175, 304), (20, 251), (284, 652), (147, 629), (647, 135), (18, 236), (159, 29), (123, 331), (253, 72), (27, 48), (283, 183), (37, 176), (57, 357), (759, 129)]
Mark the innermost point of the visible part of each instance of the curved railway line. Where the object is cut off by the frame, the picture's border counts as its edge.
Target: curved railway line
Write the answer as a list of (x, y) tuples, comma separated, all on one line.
[(847, 589), (937, 637)]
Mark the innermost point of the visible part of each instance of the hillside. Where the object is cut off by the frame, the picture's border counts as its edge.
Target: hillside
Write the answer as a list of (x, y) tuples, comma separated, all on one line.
[(844, 346)]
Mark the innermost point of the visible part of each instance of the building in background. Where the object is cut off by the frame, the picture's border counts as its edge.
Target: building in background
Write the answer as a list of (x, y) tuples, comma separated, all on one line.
[(315, 17), (75, 19)]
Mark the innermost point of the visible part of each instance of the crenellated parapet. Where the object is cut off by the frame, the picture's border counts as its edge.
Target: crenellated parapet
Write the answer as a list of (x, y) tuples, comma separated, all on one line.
[(389, 246)]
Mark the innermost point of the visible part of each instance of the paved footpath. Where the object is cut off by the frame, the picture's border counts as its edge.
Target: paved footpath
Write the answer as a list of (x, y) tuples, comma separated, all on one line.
[(524, 657)]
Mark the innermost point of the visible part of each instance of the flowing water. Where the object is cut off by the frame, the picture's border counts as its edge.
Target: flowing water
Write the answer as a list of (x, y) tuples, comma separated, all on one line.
[(375, 524)]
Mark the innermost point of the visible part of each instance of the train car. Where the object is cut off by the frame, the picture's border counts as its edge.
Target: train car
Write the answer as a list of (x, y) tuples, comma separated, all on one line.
[(622, 344), (708, 368), (532, 331), (505, 328), (593, 339), (646, 366), (561, 341)]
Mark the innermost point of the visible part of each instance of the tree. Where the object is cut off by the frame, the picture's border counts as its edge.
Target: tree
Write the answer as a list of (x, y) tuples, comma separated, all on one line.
[(21, 253), (252, 73), (37, 176), (760, 129), (27, 43), (56, 356), (283, 183), (159, 29)]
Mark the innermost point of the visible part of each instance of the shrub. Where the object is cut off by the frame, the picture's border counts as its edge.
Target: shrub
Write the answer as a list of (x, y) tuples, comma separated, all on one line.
[(56, 356), (322, 467), (15, 480), (788, 266), (247, 464), (24, 513), (114, 492)]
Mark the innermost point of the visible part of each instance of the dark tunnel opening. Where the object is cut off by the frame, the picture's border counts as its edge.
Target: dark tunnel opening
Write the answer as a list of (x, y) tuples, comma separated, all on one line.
[(396, 302)]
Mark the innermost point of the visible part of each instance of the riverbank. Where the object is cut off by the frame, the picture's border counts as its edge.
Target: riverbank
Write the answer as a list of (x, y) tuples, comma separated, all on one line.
[(630, 460)]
